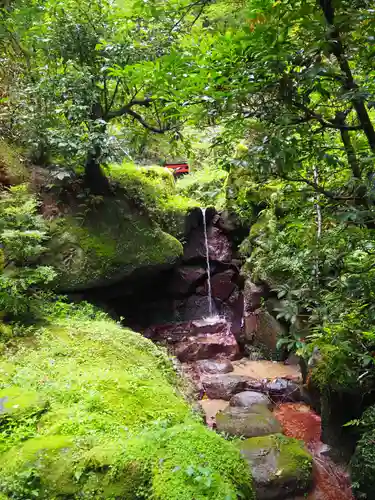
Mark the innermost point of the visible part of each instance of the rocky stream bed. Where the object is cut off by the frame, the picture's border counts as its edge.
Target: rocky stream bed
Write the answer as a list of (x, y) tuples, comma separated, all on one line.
[(262, 402)]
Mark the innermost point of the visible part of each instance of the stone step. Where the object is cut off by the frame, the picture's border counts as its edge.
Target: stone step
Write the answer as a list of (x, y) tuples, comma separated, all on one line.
[(254, 422), (206, 346)]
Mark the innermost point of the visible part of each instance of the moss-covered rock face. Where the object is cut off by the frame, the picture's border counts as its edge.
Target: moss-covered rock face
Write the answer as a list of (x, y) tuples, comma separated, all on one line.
[(105, 243), (91, 410), (102, 240), (153, 189), (281, 466)]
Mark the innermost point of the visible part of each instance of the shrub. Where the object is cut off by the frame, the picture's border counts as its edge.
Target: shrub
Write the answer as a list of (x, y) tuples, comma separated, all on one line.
[(23, 234)]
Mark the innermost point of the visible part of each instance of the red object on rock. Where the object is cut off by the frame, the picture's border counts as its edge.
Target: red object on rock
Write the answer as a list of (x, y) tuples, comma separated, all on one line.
[(178, 168)]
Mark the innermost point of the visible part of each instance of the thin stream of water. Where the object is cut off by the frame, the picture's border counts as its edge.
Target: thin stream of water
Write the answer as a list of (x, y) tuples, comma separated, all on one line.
[(208, 263)]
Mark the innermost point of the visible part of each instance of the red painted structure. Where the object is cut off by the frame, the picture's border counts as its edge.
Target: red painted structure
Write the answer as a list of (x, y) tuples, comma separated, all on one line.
[(178, 168)]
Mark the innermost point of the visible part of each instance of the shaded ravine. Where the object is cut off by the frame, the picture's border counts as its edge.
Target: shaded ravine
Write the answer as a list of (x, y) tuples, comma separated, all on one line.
[(209, 353)]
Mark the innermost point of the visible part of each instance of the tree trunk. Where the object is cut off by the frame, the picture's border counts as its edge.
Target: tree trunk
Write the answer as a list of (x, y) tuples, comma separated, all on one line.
[(95, 179), (337, 49)]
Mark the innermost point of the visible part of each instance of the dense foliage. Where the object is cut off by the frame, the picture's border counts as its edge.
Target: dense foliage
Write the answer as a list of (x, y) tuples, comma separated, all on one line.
[(23, 234), (274, 103)]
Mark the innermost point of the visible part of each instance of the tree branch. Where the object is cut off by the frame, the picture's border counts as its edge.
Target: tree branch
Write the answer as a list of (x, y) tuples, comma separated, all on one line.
[(312, 115), (128, 107), (146, 125)]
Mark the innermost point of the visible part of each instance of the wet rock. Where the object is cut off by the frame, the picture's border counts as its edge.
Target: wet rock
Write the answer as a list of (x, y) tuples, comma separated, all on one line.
[(219, 246), (185, 279), (210, 326), (222, 285), (258, 421), (283, 390), (235, 304), (254, 295), (248, 399), (264, 330), (175, 332), (212, 366), (169, 332), (210, 346), (224, 386), (280, 466), (195, 307)]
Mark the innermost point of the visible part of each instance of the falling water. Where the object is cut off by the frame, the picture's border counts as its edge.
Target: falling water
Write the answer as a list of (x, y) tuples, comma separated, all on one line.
[(208, 263)]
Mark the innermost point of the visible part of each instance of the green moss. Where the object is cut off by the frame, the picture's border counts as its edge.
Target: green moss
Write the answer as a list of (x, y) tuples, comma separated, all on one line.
[(15, 402), (154, 190), (205, 185), (12, 170), (293, 459), (101, 244), (116, 425)]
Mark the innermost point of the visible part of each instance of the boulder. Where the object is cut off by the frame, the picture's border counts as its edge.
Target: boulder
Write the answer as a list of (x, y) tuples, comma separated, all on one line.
[(283, 390), (185, 279), (224, 386), (281, 467), (222, 285), (195, 307), (210, 346), (264, 330), (219, 246), (248, 399), (253, 296), (258, 421), (214, 366)]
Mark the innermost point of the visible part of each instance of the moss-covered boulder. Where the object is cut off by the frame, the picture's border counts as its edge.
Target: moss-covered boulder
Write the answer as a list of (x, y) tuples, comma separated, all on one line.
[(96, 411), (106, 243), (247, 422), (281, 466), (101, 240)]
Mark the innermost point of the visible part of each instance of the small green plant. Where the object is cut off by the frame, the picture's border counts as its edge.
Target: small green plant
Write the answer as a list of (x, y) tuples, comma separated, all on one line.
[(23, 234)]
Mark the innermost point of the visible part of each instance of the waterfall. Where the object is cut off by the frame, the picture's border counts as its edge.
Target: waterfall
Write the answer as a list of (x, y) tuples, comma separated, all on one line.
[(208, 263)]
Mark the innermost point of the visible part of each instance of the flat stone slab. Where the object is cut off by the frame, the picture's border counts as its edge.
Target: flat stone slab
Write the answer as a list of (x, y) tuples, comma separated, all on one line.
[(248, 399), (176, 332), (207, 346), (224, 386), (258, 421), (213, 366), (281, 467)]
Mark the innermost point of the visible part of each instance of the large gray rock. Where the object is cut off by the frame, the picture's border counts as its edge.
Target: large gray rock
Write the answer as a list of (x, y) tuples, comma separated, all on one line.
[(224, 386), (249, 399), (258, 421), (212, 366), (281, 467), (283, 390)]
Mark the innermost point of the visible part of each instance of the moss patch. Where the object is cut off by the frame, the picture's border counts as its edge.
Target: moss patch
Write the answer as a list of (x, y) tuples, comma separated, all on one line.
[(97, 245), (280, 465), (12, 169), (154, 190), (102, 240), (113, 425)]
